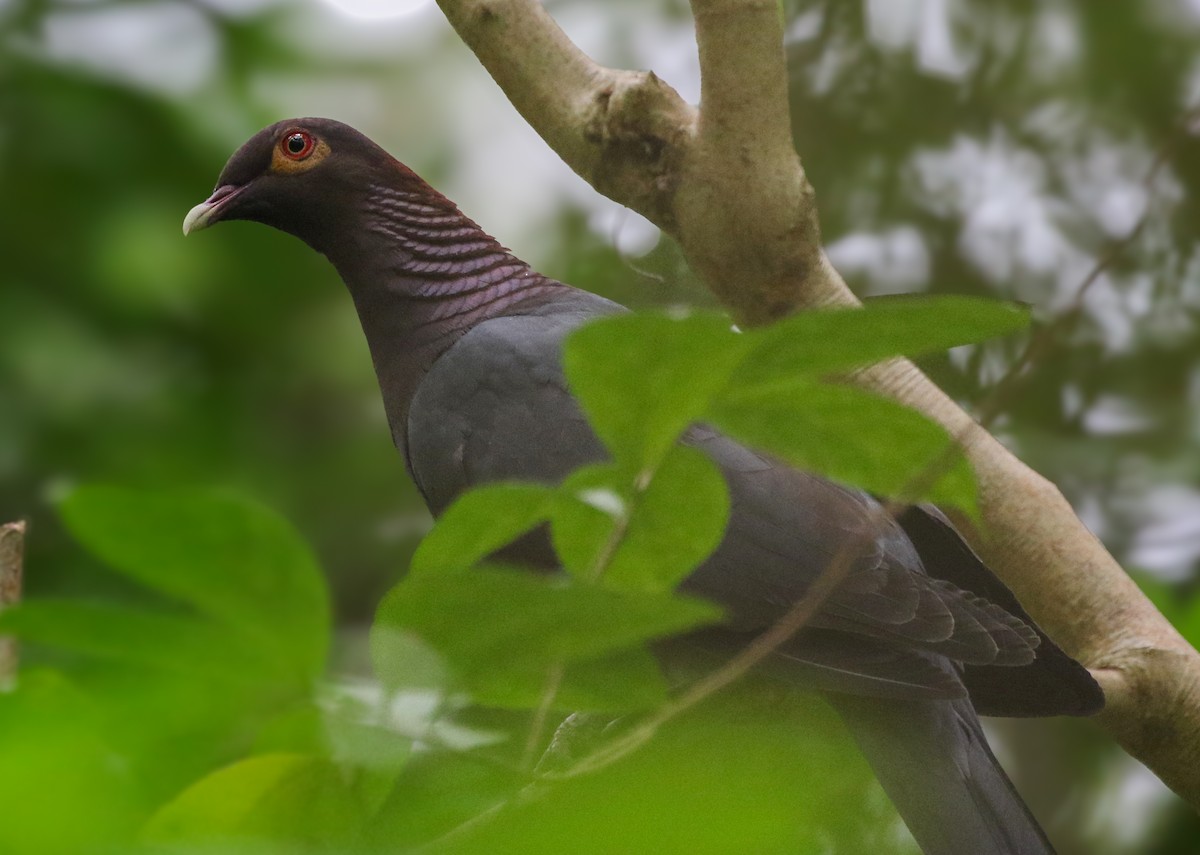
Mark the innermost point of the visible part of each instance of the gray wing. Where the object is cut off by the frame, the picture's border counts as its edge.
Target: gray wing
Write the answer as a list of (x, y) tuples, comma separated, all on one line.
[(496, 407)]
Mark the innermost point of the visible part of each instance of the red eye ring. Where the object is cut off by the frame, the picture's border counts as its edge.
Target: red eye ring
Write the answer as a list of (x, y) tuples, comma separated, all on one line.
[(297, 145)]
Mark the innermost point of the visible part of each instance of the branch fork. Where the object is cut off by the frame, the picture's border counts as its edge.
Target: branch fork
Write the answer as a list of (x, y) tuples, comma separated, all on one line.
[(724, 180)]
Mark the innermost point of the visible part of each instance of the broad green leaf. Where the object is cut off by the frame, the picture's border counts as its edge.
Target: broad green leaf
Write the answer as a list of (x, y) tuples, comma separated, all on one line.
[(492, 626), (593, 501), (642, 540), (232, 560), (771, 774), (291, 799), (853, 437), (831, 340), (402, 659), (622, 681), (481, 521), (157, 639), (350, 725), (438, 792), (370, 754), (642, 379), (65, 788), (619, 682)]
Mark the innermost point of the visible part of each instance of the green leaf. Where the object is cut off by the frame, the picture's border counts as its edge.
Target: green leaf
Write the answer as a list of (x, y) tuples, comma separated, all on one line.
[(619, 682), (505, 629), (832, 340), (232, 560), (479, 522), (669, 527), (853, 437), (290, 799), (767, 774), (642, 379), (402, 659), (156, 639), (66, 788)]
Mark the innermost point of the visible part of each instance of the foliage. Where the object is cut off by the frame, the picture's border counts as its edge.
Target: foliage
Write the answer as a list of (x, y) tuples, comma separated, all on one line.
[(965, 146), (201, 717)]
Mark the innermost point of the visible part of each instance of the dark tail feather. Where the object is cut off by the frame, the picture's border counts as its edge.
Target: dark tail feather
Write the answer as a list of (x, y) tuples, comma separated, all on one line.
[(936, 766)]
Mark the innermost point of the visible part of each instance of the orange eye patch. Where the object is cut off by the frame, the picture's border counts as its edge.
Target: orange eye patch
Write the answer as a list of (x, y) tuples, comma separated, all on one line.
[(297, 151)]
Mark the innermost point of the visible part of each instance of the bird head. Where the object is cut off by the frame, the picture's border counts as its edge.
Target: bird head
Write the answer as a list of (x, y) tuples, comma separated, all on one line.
[(302, 176)]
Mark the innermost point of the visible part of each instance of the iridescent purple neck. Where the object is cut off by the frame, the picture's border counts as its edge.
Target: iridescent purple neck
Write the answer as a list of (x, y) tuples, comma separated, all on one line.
[(422, 275)]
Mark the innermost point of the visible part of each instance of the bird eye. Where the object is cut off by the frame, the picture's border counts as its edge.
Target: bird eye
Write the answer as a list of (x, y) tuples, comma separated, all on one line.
[(297, 145)]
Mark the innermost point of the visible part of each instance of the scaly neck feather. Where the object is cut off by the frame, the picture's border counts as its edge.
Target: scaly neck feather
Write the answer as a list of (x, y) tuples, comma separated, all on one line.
[(422, 275)]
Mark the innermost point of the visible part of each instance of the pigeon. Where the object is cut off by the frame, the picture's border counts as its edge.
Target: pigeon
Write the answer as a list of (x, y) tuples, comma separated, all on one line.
[(915, 642)]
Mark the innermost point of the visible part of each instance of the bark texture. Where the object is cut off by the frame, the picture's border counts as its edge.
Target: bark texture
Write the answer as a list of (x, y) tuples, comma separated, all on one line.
[(725, 182), (12, 558)]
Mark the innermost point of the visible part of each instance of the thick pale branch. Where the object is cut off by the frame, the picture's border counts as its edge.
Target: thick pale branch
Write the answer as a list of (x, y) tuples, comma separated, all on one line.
[(12, 556), (729, 187), (745, 213), (622, 131)]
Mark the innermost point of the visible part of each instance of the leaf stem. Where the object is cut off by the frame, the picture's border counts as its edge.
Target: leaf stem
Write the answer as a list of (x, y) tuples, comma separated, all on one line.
[(554, 678)]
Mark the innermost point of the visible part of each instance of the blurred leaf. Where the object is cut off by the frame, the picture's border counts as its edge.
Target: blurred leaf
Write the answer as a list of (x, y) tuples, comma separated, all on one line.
[(402, 659), (479, 522), (850, 436), (350, 726), (619, 682), (371, 755), (642, 379), (736, 775), (439, 792), (833, 340), (172, 642), (64, 789), (502, 630), (669, 527), (233, 560), (290, 802)]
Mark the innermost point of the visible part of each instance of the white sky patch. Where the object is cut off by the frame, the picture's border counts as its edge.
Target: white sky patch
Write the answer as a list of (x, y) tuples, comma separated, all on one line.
[(1057, 43), (165, 47), (1129, 806), (1168, 532), (1115, 415), (923, 26), (375, 10), (603, 500), (896, 261), (630, 232), (893, 23), (415, 713), (240, 8)]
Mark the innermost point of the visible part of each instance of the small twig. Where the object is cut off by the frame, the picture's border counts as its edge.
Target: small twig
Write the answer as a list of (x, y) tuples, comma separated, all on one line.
[(604, 558), (748, 657), (554, 678), (12, 563)]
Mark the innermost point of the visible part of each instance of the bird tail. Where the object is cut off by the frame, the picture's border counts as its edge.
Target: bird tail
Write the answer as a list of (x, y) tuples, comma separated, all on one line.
[(935, 764)]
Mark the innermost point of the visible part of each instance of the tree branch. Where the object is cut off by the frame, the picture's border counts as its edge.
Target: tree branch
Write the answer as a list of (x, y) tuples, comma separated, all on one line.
[(12, 555), (727, 185)]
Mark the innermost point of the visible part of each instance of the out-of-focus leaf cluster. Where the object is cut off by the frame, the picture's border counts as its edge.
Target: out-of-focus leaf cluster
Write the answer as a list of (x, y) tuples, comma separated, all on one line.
[(198, 720), (962, 147)]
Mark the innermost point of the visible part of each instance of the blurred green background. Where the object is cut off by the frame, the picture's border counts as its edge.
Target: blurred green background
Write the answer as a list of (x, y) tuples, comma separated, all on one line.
[(957, 146)]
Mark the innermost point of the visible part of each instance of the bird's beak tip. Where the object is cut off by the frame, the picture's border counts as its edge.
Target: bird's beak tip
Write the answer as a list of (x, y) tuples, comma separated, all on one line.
[(210, 210), (199, 217)]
